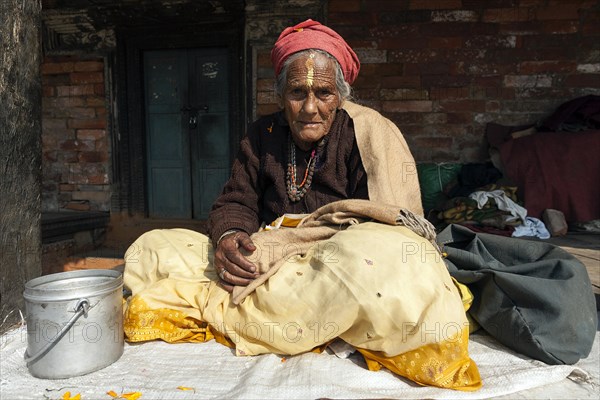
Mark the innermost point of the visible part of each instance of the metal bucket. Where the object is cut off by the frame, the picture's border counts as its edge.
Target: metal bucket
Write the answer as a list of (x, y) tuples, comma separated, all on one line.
[(74, 322)]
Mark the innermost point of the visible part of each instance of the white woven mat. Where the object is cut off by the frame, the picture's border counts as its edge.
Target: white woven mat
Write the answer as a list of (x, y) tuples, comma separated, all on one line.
[(157, 369)]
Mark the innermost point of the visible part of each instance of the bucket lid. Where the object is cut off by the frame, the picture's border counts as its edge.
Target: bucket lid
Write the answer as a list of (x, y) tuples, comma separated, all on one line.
[(72, 285)]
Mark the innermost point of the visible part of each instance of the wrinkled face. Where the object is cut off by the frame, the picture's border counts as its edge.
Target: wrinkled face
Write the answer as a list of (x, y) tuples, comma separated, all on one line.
[(310, 98)]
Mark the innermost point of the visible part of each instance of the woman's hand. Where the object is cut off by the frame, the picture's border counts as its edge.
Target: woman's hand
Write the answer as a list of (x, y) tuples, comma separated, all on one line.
[(233, 268)]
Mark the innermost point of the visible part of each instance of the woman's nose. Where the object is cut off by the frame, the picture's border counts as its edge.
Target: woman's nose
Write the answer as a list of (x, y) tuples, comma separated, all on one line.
[(310, 104)]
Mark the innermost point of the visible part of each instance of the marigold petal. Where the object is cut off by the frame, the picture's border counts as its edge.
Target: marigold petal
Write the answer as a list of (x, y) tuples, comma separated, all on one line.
[(66, 396), (111, 393), (132, 395), (184, 388)]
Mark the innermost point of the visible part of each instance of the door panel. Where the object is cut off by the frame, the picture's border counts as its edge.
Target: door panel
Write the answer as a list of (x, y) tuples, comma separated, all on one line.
[(187, 130), (210, 160), (167, 139)]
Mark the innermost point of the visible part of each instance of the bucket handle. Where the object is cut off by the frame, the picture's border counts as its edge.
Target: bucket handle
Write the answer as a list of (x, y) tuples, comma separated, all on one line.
[(82, 308)]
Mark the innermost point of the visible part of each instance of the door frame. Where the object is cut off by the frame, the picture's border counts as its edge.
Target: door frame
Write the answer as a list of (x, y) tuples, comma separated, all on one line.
[(129, 152)]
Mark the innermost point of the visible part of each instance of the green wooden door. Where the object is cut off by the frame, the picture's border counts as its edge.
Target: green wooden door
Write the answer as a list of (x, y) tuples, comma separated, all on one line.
[(187, 130)]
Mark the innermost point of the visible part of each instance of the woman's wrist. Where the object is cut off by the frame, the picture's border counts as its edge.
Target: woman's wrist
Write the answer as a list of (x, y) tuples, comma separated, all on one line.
[(227, 233)]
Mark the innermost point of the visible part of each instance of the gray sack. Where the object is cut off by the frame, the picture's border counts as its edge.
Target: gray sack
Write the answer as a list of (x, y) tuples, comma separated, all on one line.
[(531, 296)]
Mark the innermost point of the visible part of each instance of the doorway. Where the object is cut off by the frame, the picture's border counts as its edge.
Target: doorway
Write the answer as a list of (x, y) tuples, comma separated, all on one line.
[(187, 133)]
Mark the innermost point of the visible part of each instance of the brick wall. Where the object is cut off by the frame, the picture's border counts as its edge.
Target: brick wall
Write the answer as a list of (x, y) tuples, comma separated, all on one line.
[(75, 145), (442, 69)]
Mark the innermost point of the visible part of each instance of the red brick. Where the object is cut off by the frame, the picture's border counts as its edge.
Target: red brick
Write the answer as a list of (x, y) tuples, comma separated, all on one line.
[(62, 102), (434, 4), (93, 169), (583, 80), (445, 42), (384, 5), (455, 16), (265, 85), (95, 101), (536, 67), (266, 98), (87, 77), (102, 144), (431, 68), (446, 130), (401, 81), (76, 90), (435, 118), (413, 56), (404, 94), (66, 187), (475, 4), (81, 112), (443, 93), (92, 156), (371, 56), (98, 179), (99, 123), (434, 142), (493, 106), (591, 28), (88, 66), (567, 11), (459, 118), (90, 134), (68, 157), (389, 69), (507, 14), (49, 156), (344, 6), (521, 81), (393, 31), (263, 59), (484, 28), (445, 80), (462, 105), (527, 3), (99, 88), (53, 124), (445, 29), (55, 80), (48, 91), (549, 41), (413, 42), (491, 42), (353, 18), (404, 106), (77, 145), (567, 53), (57, 68), (560, 27)]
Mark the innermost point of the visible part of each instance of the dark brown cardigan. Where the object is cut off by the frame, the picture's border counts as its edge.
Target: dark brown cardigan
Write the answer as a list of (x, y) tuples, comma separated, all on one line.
[(256, 190)]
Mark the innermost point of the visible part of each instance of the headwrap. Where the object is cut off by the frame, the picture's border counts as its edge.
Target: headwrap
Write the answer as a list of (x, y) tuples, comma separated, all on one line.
[(313, 35)]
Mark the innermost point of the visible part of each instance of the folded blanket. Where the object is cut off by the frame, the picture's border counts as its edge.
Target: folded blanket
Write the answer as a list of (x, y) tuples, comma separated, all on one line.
[(277, 246)]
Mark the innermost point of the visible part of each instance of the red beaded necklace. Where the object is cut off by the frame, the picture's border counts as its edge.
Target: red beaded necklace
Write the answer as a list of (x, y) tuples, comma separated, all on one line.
[(295, 192)]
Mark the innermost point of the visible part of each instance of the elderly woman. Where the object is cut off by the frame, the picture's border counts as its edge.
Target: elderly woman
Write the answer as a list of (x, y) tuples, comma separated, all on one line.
[(305, 156), (360, 266)]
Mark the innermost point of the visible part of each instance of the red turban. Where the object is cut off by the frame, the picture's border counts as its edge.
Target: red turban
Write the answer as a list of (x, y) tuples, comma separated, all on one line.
[(312, 35)]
